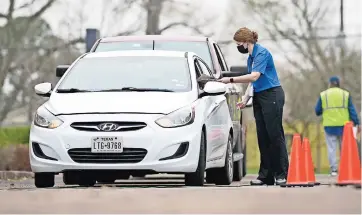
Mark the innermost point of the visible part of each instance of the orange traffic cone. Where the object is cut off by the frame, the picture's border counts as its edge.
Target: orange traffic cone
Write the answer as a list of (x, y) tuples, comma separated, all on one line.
[(308, 162), (296, 172), (349, 166), (358, 186)]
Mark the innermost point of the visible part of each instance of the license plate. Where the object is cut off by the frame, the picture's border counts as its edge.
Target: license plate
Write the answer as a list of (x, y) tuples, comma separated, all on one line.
[(107, 144)]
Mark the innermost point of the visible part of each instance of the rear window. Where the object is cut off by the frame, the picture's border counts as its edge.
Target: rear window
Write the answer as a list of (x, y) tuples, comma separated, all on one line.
[(200, 48), (120, 46)]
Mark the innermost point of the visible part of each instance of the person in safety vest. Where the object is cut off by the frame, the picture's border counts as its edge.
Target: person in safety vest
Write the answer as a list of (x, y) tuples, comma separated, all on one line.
[(336, 107)]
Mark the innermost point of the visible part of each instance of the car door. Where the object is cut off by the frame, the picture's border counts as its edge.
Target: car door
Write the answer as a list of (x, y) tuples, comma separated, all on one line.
[(216, 122), (233, 96)]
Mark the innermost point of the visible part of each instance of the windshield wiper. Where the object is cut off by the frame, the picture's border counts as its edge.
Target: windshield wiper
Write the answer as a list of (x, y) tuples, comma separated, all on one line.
[(123, 89), (72, 90)]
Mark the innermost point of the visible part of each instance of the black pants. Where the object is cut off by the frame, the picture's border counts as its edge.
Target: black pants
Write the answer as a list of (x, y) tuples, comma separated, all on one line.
[(268, 112)]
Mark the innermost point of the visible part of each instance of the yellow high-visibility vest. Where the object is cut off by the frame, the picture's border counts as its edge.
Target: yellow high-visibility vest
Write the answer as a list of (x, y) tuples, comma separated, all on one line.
[(335, 107)]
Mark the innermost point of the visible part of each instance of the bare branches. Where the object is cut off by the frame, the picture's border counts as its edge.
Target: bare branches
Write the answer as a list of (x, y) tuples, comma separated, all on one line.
[(11, 9), (315, 58), (26, 5), (171, 25), (42, 9)]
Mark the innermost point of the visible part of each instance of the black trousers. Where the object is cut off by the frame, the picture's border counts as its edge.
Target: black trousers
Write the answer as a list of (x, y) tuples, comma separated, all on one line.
[(268, 112)]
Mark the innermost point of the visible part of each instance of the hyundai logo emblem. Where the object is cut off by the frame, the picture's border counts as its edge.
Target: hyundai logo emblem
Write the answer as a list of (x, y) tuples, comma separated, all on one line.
[(108, 126)]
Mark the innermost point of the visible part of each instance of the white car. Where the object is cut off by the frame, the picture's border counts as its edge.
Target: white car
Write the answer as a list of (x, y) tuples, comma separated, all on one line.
[(113, 114)]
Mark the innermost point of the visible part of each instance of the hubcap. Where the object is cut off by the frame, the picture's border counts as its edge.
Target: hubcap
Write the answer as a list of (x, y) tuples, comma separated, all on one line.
[(230, 160)]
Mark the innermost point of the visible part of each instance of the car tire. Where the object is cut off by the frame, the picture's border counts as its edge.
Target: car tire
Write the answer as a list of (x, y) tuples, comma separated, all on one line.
[(69, 178), (244, 162), (197, 178), (44, 180), (86, 181), (106, 181), (210, 176), (238, 165), (138, 175), (224, 175)]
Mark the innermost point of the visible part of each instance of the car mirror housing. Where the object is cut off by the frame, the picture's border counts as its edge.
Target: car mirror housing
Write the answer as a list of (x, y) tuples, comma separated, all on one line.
[(43, 89), (232, 74), (213, 88)]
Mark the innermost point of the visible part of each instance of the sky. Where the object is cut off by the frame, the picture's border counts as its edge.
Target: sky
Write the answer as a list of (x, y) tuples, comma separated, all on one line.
[(70, 18)]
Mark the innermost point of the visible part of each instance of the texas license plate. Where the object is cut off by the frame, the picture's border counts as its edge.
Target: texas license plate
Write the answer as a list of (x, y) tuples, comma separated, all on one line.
[(107, 144)]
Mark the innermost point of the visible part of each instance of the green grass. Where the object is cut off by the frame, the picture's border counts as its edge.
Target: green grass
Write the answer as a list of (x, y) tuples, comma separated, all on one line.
[(14, 135)]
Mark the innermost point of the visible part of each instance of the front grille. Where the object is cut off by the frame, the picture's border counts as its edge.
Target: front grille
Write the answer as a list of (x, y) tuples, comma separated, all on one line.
[(118, 126), (129, 155)]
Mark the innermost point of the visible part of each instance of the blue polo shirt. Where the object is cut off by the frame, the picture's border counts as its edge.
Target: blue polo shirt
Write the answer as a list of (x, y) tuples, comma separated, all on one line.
[(262, 61)]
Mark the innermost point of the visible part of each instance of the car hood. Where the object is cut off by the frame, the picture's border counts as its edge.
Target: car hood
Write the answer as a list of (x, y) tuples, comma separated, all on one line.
[(116, 102)]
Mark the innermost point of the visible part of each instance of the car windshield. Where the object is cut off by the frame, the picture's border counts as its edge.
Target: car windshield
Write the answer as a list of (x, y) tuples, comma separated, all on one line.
[(128, 73), (200, 48)]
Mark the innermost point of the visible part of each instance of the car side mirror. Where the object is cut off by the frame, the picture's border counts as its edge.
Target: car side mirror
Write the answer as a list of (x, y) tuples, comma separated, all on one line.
[(231, 74), (60, 70), (235, 71), (214, 88), (241, 69), (43, 89)]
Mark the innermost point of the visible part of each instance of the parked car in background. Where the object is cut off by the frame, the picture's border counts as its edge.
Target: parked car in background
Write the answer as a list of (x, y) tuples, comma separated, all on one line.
[(121, 113), (210, 52)]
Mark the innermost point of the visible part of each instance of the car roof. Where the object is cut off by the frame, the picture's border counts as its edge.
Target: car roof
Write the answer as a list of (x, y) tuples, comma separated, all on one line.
[(153, 37), (138, 53)]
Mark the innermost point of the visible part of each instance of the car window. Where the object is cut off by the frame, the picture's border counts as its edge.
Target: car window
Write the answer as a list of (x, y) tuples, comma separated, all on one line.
[(222, 57), (204, 68), (120, 46), (221, 62), (197, 69), (199, 48), (171, 73)]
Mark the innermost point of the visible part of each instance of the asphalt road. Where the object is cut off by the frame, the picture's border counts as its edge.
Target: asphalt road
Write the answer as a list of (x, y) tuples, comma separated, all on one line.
[(160, 194)]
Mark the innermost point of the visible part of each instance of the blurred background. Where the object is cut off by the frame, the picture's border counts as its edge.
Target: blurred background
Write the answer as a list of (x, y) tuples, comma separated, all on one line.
[(310, 40)]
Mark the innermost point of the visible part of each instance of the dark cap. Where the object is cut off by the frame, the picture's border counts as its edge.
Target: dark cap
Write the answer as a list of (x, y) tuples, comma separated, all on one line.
[(334, 80)]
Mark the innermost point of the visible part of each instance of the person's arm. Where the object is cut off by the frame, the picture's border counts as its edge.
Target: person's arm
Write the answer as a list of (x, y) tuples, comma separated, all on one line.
[(259, 66), (352, 112), (318, 107), (253, 76)]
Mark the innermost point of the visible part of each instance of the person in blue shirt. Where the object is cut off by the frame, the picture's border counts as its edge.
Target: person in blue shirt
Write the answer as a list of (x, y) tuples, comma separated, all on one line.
[(336, 108), (268, 103)]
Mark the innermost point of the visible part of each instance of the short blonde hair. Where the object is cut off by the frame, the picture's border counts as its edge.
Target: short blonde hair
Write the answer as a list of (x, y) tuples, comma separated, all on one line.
[(245, 35)]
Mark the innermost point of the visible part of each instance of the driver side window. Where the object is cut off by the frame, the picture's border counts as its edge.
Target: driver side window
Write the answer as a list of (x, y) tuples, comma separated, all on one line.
[(205, 73), (205, 69)]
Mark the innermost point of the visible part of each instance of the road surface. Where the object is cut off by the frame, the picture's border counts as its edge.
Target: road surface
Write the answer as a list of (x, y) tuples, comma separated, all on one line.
[(160, 194)]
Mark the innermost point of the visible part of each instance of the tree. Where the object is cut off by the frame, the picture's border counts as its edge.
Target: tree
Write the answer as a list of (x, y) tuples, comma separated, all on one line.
[(153, 13), (24, 40)]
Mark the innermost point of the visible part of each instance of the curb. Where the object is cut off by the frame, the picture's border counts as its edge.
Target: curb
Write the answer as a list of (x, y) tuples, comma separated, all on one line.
[(6, 175)]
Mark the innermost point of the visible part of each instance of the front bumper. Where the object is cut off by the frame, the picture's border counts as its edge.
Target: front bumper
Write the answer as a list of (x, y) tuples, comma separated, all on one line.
[(159, 143)]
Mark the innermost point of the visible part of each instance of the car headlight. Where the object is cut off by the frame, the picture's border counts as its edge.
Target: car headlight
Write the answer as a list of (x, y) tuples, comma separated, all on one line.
[(43, 118), (178, 118)]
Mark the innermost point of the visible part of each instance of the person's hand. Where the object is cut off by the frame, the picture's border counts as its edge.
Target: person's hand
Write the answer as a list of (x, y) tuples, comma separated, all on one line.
[(241, 105), (224, 80)]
